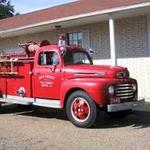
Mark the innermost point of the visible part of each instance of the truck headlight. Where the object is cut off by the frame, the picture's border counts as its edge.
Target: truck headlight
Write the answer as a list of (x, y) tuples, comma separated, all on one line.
[(111, 90), (120, 75), (124, 74), (134, 87)]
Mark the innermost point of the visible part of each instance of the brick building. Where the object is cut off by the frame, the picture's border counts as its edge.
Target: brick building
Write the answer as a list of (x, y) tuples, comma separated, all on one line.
[(118, 31)]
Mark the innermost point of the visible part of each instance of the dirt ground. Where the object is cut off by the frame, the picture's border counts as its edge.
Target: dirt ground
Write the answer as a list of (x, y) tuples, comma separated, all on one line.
[(49, 129)]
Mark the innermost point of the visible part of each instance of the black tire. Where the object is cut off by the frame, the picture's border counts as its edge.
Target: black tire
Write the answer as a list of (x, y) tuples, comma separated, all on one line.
[(120, 114), (81, 110)]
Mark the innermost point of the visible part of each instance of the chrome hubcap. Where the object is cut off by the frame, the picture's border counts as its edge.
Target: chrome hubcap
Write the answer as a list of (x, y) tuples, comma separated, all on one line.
[(80, 109)]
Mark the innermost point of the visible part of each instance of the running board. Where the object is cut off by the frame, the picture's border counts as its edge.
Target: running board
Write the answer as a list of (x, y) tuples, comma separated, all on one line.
[(31, 101), (47, 103), (17, 100)]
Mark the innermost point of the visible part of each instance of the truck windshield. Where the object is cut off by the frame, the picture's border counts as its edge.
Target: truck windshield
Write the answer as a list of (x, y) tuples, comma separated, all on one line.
[(76, 57)]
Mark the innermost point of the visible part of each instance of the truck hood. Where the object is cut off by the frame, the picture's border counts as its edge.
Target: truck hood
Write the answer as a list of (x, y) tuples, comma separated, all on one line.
[(95, 71)]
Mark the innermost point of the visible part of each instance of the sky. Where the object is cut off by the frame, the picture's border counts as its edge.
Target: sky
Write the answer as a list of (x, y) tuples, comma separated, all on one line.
[(25, 6)]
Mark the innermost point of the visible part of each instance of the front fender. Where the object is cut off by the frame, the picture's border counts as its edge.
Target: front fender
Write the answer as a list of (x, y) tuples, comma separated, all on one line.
[(95, 88)]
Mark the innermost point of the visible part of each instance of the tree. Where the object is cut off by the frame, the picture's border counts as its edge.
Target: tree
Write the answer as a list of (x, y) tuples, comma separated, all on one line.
[(6, 9)]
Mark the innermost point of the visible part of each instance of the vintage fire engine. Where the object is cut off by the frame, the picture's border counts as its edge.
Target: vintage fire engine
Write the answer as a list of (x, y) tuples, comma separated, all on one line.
[(60, 76)]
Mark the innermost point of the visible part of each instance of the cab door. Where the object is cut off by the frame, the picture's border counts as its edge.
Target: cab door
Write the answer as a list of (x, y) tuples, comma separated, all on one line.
[(47, 75)]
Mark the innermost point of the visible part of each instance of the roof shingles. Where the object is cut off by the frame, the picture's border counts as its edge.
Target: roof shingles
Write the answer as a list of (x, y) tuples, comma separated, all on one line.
[(62, 11)]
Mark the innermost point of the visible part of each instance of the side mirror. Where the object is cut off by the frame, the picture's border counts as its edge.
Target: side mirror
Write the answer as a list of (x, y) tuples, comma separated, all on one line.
[(91, 51)]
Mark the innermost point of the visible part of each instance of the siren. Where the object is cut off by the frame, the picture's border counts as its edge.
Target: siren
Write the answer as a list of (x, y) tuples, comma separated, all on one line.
[(62, 41)]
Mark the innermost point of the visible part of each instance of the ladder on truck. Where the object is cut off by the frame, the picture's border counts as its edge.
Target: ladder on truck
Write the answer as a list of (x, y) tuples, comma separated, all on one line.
[(11, 63)]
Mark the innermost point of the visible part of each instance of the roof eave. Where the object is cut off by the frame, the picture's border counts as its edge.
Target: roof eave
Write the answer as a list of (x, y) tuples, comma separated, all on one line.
[(10, 32)]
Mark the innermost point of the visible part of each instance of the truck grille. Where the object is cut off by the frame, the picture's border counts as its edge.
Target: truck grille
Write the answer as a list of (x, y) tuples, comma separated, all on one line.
[(124, 91)]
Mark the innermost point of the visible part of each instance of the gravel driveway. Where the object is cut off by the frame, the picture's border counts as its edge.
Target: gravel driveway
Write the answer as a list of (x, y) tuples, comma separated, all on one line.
[(48, 129)]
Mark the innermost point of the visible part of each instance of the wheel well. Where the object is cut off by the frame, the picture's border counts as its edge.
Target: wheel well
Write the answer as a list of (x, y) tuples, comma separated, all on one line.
[(70, 92)]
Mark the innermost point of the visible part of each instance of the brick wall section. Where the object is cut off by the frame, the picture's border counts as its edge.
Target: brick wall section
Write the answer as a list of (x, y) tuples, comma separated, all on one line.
[(9, 43), (131, 37), (99, 35), (99, 38)]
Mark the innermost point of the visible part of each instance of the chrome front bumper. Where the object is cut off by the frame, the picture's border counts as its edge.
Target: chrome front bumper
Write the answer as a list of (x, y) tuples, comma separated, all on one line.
[(125, 106)]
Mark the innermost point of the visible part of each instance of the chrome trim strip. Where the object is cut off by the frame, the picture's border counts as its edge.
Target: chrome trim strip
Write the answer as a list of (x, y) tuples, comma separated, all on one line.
[(124, 91), (125, 94), (126, 97), (124, 88), (124, 84), (47, 103), (17, 100), (31, 101)]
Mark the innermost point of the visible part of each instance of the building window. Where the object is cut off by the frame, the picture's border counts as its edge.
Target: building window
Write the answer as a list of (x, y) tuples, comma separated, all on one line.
[(75, 38)]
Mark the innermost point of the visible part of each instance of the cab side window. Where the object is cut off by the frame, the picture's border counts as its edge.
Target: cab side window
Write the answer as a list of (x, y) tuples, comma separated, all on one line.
[(48, 58)]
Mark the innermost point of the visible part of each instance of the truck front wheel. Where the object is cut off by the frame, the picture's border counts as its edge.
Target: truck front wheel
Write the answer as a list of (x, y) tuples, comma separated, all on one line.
[(81, 109)]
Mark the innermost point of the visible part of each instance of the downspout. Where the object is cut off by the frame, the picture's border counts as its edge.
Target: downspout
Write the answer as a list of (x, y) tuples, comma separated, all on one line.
[(112, 41)]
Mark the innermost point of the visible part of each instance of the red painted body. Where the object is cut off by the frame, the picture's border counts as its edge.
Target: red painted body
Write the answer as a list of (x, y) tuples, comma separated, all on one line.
[(57, 82)]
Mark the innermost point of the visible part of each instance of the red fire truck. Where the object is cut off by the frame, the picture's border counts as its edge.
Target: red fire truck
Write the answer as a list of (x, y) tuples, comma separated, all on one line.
[(59, 76)]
